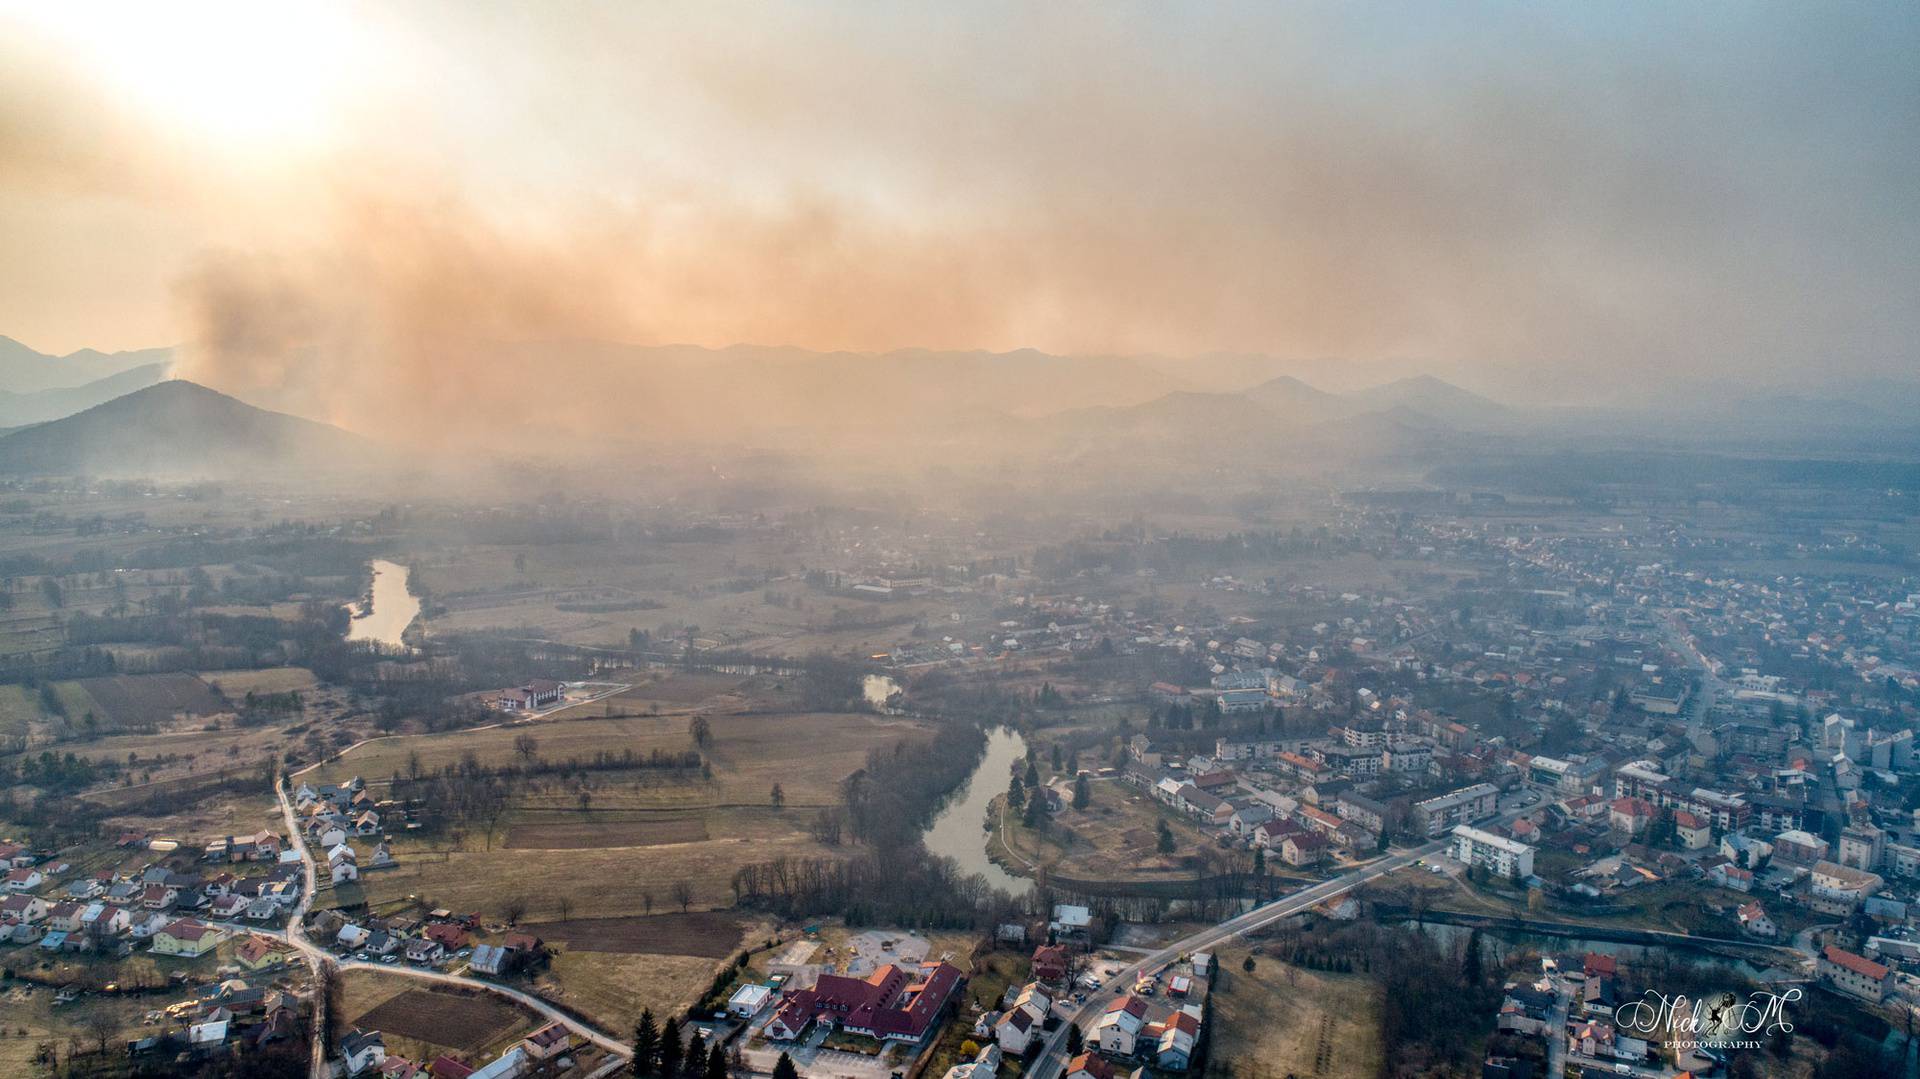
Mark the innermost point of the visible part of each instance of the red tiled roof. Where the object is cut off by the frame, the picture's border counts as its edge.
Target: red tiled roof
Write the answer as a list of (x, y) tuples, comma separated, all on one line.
[(885, 1002), (1088, 1064), (1859, 964)]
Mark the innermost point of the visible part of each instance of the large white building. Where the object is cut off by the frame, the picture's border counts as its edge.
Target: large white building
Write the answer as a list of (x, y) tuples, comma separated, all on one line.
[(1507, 857), (1464, 806)]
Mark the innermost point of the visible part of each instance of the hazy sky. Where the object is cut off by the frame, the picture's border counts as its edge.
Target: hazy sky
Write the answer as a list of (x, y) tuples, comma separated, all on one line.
[(1541, 195)]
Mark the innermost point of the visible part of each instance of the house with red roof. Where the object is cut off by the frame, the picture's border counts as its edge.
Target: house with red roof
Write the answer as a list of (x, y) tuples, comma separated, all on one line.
[(448, 935), (1117, 1032), (890, 1004), (1854, 975), (1051, 963), (1692, 831)]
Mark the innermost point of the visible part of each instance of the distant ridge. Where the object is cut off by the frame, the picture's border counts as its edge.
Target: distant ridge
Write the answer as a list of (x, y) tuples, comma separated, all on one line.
[(24, 370), (21, 409), (180, 429)]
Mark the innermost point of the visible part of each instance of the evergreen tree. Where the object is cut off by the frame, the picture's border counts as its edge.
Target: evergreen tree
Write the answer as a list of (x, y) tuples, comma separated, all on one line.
[(670, 1048), (694, 1064), (1073, 1040), (1472, 968), (1082, 795), (716, 1062), (1033, 775), (784, 1069), (1166, 839), (646, 1045)]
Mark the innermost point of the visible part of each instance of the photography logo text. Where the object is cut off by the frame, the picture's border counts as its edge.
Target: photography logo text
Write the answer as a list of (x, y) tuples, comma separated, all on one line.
[(1714, 1021)]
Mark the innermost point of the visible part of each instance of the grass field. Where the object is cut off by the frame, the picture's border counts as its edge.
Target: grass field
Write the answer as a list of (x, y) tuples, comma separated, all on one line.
[(594, 831), (1284, 1021), (19, 710), (1115, 838), (807, 754), (614, 988), (29, 1019), (595, 882), (149, 700), (237, 684)]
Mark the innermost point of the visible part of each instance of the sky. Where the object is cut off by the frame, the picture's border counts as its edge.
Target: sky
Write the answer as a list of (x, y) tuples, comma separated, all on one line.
[(1556, 199)]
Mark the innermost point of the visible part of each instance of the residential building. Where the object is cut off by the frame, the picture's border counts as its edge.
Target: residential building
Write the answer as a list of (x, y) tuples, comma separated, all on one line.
[(1500, 855), (1433, 817), (1854, 975)]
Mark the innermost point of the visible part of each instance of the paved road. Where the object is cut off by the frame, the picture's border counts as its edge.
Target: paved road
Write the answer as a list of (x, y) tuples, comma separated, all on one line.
[(295, 932), (1052, 1060), (316, 956)]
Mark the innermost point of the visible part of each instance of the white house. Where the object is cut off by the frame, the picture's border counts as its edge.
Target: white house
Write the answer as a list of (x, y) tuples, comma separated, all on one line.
[(747, 1000), (364, 1050), (1117, 1031)]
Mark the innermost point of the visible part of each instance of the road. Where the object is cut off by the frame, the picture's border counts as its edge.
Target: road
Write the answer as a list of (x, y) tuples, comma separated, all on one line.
[(317, 957), (296, 934), (1052, 1060)]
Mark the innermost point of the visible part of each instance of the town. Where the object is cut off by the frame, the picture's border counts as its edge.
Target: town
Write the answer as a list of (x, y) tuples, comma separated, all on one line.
[(1484, 725)]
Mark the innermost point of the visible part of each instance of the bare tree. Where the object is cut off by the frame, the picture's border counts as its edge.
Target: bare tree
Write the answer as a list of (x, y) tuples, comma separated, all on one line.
[(101, 1025), (683, 894), (646, 902), (777, 797), (565, 906), (515, 909), (526, 745)]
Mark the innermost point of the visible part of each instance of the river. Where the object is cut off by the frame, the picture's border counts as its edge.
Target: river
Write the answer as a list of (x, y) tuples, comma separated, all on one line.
[(1453, 936), (391, 611), (960, 831)]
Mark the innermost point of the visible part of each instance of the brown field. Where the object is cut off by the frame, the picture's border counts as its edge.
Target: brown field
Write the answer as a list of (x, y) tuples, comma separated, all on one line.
[(151, 700), (1281, 1020), (707, 934), (456, 1020), (486, 590), (579, 835)]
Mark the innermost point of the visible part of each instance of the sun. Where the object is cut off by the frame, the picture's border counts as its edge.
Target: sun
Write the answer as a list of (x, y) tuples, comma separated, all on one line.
[(241, 74)]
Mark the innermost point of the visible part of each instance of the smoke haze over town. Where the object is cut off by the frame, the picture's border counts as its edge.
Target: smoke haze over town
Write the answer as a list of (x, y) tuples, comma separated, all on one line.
[(997, 540)]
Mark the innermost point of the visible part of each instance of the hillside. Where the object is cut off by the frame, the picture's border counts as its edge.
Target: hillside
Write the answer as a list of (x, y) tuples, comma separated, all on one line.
[(179, 429)]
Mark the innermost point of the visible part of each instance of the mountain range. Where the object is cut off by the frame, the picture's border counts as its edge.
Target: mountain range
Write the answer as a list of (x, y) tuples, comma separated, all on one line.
[(24, 370), (1017, 411)]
